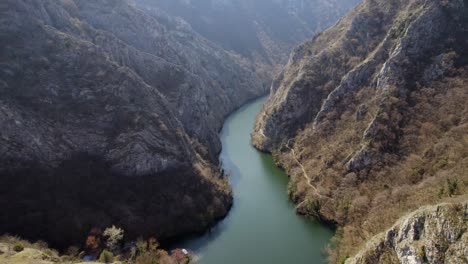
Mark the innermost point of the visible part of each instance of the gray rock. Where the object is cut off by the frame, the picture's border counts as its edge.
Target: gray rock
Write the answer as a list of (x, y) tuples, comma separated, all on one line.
[(103, 99), (433, 234), (381, 55), (316, 83)]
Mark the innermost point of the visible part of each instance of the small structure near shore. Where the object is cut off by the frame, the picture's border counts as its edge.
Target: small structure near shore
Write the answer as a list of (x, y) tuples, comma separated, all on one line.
[(182, 256)]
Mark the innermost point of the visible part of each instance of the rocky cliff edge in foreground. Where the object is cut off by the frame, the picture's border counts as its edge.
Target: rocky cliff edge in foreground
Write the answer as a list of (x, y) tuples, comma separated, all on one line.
[(432, 234)]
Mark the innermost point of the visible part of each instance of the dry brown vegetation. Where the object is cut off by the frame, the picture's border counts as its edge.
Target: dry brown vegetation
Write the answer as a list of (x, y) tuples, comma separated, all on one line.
[(411, 135), (425, 161)]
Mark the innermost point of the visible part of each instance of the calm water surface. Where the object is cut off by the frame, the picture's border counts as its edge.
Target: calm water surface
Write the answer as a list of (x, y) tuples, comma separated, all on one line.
[(262, 226)]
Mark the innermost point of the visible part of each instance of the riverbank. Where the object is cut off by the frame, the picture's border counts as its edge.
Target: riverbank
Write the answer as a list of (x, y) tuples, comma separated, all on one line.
[(262, 226)]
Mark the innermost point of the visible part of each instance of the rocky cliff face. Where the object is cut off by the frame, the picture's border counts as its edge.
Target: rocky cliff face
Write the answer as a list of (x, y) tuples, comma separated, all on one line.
[(110, 114), (369, 117), (436, 234), (110, 109)]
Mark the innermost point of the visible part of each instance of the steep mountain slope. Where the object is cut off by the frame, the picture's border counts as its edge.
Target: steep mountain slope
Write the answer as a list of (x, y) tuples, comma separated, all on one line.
[(110, 109), (109, 115), (370, 117), (262, 31)]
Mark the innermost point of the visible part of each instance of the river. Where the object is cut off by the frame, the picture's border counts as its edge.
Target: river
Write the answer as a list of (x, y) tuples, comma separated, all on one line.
[(262, 226)]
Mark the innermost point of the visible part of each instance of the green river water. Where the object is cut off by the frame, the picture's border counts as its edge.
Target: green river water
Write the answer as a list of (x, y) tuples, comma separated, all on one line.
[(262, 226)]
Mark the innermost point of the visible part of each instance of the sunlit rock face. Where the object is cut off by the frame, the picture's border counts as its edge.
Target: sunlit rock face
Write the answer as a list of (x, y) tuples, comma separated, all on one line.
[(387, 47), (435, 234), (368, 118)]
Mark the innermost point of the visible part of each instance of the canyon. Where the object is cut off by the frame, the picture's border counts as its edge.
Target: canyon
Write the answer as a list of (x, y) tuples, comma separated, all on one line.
[(110, 112)]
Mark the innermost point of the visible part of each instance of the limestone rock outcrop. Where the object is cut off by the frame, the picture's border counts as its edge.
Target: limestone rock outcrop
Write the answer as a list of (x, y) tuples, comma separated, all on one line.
[(433, 234)]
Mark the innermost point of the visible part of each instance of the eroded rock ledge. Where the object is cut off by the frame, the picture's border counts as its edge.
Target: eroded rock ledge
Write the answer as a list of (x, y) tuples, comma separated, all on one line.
[(432, 234)]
